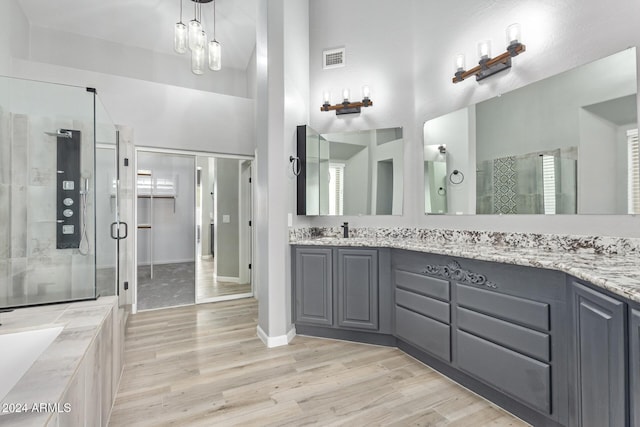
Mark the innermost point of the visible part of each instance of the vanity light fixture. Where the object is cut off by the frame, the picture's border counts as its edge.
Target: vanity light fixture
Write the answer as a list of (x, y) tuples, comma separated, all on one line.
[(347, 107), (193, 37), (488, 66)]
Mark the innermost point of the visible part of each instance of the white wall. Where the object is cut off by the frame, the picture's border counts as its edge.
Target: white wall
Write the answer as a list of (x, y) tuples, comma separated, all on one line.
[(92, 54), (357, 183), (162, 115), (15, 42), (453, 131), (394, 151), (283, 28), (405, 53), (596, 179)]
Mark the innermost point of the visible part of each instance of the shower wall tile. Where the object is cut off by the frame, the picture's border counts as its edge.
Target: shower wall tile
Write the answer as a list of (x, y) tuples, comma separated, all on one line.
[(82, 276), (18, 284), (5, 147), (41, 230), (86, 147), (5, 280), (42, 201), (5, 221), (49, 276), (18, 204), (41, 239), (42, 152), (19, 149)]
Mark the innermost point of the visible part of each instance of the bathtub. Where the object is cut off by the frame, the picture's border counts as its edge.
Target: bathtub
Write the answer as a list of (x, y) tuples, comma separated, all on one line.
[(18, 352)]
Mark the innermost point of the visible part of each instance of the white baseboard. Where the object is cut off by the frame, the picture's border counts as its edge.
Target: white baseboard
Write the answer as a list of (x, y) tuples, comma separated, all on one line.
[(278, 341), (224, 298), (228, 279), (175, 261)]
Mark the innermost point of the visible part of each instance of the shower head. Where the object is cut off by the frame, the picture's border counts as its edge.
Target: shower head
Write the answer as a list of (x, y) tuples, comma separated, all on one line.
[(60, 133)]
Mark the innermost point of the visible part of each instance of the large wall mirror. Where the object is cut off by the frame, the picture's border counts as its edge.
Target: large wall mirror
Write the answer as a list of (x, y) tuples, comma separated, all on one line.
[(564, 145), (350, 173)]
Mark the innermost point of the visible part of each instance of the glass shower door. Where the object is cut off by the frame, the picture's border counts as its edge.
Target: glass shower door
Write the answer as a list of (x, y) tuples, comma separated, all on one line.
[(110, 230)]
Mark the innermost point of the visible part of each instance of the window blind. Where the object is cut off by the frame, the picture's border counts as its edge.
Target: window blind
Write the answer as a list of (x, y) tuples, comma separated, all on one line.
[(633, 172), (549, 184)]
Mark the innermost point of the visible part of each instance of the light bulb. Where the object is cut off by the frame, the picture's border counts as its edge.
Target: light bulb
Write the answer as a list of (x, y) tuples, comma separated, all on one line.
[(215, 55), (366, 92), (195, 28), (460, 62), (484, 49), (345, 94), (180, 38), (513, 34), (197, 61), (326, 97)]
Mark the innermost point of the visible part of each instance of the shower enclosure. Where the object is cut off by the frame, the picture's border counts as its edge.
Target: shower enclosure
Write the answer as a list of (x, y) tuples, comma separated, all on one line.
[(534, 183), (50, 247)]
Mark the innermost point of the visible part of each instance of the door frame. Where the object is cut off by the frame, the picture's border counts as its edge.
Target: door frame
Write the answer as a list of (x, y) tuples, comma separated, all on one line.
[(194, 154)]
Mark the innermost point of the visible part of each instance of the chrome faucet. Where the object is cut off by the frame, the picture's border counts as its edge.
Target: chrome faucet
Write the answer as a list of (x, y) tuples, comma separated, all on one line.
[(345, 229)]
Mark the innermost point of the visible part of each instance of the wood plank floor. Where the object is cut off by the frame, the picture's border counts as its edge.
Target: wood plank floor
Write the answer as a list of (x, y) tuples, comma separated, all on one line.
[(204, 366)]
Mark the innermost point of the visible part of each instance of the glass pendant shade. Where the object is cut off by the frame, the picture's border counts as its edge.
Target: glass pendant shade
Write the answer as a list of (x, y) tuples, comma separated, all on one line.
[(459, 62), (180, 38), (201, 40), (215, 55), (514, 34), (197, 61), (195, 28), (484, 49)]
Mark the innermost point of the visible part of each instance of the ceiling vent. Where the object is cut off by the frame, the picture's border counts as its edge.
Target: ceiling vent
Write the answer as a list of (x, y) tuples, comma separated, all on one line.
[(333, 58)]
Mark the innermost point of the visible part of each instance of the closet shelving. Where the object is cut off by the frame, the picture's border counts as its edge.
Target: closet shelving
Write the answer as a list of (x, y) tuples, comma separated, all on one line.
[(148, 189)]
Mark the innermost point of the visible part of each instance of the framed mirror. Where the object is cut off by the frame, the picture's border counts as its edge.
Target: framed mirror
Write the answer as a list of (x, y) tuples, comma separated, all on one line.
[(350, 173), (563, 145)]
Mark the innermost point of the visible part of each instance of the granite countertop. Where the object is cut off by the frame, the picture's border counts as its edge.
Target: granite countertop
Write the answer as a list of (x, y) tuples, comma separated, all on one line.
[(612, 264), (49, 377)]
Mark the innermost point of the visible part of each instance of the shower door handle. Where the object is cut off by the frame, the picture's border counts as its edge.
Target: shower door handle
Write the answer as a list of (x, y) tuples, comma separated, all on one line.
[(115, 231)]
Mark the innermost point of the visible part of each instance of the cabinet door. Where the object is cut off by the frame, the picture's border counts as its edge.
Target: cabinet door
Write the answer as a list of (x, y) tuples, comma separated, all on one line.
[(634, 365), (357, 298), (314, 286), (599, 375)]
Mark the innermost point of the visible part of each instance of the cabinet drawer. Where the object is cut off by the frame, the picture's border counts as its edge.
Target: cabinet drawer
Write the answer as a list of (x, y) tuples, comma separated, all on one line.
[(430, 286), (519, 376), (521, 339), (429, 307), (430, 335), (524, 311)]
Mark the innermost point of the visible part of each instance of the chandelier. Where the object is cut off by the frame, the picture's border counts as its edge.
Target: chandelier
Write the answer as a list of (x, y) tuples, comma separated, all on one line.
[(194, 38)]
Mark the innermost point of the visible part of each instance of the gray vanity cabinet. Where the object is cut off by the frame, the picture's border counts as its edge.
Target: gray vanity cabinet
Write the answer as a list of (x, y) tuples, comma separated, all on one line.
[(500, 324), (634, 364), (357, 298), (342, 289), (598, 376), (313, 287)]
